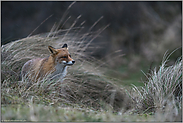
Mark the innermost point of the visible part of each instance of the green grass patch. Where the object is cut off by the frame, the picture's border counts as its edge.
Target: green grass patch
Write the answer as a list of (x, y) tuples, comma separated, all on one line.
[(42, 113)]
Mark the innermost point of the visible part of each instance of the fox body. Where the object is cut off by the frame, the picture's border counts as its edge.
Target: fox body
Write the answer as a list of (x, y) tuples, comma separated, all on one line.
[(53, 66)]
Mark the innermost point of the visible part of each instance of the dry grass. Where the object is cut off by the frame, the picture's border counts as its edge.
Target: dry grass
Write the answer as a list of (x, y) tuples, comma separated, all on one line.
[(162, 93), (85, 85)]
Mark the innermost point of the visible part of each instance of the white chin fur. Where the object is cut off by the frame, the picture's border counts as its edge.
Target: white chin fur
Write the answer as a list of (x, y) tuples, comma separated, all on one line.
[(64, 62), (67, 63)]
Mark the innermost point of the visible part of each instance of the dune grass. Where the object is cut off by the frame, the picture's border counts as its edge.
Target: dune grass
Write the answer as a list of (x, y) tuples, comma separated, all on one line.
[(84, 86), (86, 93), (86, 90), (162, 93)]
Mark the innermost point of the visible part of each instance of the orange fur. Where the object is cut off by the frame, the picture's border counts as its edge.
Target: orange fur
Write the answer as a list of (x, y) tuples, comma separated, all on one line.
[(53, 66)]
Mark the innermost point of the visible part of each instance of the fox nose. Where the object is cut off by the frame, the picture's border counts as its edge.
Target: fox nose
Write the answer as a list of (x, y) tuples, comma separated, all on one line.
[(73, 62)]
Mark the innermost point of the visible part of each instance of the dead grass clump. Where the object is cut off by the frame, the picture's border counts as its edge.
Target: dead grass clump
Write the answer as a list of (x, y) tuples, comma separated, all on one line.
[(84, 84), (91, 90), (163, 92)]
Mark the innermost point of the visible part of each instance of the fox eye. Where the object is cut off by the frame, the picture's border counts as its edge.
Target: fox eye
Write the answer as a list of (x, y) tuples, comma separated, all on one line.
[(64, 56)]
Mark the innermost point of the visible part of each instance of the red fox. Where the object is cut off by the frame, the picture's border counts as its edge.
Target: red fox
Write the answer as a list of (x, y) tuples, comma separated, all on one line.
[(53, 66)]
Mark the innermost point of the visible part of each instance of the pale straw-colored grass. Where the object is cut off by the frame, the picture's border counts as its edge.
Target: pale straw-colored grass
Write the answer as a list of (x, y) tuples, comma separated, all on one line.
[(162, 93), (85, 83)]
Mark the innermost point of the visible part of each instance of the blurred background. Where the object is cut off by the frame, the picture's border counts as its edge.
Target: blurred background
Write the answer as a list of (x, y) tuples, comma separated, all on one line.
[(144, 31)]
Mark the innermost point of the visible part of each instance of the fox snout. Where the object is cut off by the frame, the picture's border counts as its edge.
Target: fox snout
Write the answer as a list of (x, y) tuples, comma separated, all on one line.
[(69, 62), (72, 62)]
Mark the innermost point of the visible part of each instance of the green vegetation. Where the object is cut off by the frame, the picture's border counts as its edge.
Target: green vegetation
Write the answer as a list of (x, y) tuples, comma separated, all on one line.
[(90, 91), (34, 112)]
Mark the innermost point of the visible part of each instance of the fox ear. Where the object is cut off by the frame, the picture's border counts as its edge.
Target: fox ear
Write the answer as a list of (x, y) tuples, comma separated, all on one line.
[(65, 46), (52, 50)]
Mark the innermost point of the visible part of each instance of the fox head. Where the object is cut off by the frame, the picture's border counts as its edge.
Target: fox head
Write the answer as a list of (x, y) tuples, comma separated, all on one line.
[(61, 56)]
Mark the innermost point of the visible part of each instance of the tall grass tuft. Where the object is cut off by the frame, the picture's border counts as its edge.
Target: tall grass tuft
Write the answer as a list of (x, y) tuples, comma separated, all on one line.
[(85, 88), (85, 83), (162, 94)]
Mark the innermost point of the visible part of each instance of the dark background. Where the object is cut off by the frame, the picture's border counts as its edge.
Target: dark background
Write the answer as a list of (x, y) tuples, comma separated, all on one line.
[(144, 31)]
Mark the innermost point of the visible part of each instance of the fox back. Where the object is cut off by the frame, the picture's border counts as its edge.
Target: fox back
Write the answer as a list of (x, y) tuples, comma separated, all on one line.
[(53, 66)]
